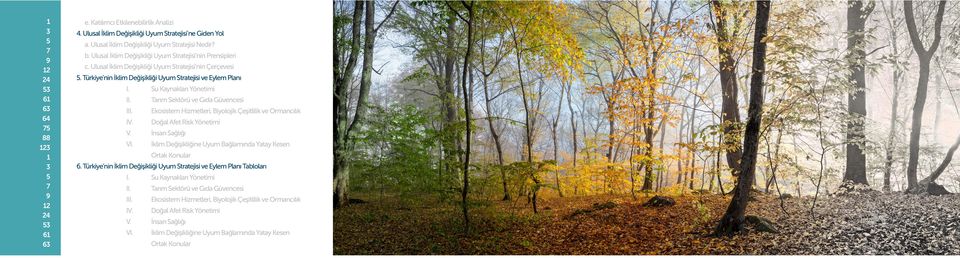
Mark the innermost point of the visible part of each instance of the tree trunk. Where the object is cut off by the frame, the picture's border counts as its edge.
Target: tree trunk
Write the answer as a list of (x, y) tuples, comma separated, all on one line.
[(771, 164), (733, 219), (938, 90), (693, 141), (703, 175), (573, 127), (528, 128), (366, 71), (341, 180), (894, 109), (487, 100), (716, 168), (556, 157), (341, 98), (449, 139), (450, 97), (635, 168), (659, 179), (680, 171), (633, 181), (713, 171), (729, 88), (888, 163), (496, 139), (691, 161), (556, 154), (610, 138), (648, 165), (528, 116), (857, 13), (536, 188), (464, 86), (924, 55)]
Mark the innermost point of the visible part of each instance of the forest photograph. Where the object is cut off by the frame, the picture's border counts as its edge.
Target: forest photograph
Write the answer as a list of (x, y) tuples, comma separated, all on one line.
[(645, 127)]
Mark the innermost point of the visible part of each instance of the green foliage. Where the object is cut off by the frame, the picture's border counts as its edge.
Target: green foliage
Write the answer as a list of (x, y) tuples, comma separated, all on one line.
[(704, 215), (395, 152)]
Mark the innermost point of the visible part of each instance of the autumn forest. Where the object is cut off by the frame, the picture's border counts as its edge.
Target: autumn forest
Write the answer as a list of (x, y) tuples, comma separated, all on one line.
[(646, 127)]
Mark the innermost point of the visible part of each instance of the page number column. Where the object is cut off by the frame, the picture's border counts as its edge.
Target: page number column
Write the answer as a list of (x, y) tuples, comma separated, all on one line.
[(30, 135), (46, 145)]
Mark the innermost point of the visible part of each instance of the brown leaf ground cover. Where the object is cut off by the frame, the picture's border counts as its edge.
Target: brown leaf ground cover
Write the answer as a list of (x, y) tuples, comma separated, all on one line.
[(868, 223)]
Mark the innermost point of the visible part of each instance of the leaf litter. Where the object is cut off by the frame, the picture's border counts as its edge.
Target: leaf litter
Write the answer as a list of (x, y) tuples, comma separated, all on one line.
[(852, 224)]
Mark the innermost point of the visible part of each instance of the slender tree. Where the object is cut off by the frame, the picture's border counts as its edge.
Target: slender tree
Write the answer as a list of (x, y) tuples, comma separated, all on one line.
[(573, 128), (467, 93), (488, 27), (343, 142), (894, 23), (733, 219), (924, 54), (553, 129), (728, 86), (542, 42), (343, 79)]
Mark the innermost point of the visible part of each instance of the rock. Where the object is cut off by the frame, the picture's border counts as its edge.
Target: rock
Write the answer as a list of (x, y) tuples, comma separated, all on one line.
[(937, 190), (596, 207), (786, 196), (578, 212), (762, 224), (606, 205), (660, 201), (932, 189)]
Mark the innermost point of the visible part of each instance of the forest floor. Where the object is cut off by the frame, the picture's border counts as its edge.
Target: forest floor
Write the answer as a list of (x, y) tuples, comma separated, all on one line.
[(856, 223)]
